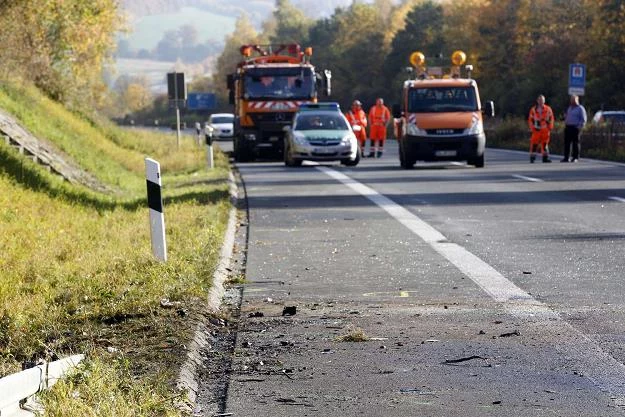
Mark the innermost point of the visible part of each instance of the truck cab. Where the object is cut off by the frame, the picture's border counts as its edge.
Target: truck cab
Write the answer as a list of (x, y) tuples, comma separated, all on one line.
[(266, 90), (440, 117)]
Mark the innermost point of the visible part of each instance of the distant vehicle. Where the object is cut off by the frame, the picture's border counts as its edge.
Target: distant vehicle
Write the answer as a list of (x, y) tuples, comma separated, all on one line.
[(266, 89), (320, 132), (609, 117), (220, 126), (440, 117)]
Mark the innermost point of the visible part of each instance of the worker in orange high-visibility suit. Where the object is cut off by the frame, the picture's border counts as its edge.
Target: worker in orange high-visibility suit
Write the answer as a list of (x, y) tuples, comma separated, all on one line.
[(357, 117), (379, 117), (540, 121)]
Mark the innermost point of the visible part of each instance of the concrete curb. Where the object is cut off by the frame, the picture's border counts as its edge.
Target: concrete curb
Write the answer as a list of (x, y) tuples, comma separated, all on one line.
[(187, 377)]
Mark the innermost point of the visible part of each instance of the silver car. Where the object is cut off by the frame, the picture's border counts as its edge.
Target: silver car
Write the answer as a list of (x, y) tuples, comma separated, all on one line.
[(320, 132), (220, 125)]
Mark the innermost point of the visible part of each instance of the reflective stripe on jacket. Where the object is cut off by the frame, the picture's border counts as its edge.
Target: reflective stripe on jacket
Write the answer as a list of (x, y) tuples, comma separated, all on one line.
[(379, 115), (539, 120)]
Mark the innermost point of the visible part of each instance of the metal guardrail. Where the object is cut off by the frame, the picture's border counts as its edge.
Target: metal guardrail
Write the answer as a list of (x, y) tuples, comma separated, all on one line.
[(16, 388)]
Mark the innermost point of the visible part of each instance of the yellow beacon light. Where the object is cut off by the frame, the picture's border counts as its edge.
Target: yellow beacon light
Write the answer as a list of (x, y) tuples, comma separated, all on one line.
[(417, 59), (458, 58)]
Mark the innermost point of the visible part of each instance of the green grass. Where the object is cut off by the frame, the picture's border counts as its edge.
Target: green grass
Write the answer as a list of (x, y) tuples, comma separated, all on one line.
[(77, 273)]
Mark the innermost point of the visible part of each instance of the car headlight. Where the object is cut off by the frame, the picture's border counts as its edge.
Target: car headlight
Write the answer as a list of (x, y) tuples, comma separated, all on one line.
[(347, 140), (299, 139), (477, 128), (414, 130)]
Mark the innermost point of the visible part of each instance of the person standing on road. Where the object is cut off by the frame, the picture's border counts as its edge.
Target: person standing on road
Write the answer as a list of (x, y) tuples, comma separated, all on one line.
[(540, 121), (574, 121), (356, 117), (379, 117)]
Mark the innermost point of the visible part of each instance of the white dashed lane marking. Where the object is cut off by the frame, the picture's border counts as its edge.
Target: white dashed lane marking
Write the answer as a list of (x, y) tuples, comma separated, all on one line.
[(524, 178), (599, 367)]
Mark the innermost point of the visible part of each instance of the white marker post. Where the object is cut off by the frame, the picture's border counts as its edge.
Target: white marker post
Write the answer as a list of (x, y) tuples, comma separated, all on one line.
[(209, 150), (155, 203)]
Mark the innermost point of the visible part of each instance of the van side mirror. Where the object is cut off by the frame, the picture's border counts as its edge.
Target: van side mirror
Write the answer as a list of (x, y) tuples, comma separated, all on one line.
[(489, 108), (396, 110)]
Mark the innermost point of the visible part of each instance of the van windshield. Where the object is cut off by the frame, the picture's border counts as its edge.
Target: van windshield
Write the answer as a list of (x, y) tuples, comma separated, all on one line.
[(441, 99)]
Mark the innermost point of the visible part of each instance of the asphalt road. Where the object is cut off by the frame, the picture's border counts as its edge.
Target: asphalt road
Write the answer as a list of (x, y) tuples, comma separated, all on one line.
[(494, 291)]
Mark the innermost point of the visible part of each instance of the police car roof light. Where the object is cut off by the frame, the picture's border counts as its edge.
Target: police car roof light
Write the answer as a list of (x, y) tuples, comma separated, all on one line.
[(319, 106)]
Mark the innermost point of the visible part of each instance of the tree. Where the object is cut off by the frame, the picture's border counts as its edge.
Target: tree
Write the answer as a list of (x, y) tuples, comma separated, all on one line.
[(423, 31), (243, 34), (62, 46), (291, 24)]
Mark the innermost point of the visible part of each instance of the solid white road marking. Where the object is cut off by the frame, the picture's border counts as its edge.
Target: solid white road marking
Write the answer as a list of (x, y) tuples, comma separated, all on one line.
[(619, 199), (601, 368), (524, 178)]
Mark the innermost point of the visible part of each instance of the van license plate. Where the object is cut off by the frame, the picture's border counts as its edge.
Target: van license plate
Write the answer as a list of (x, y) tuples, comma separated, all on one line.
[(446, 153)]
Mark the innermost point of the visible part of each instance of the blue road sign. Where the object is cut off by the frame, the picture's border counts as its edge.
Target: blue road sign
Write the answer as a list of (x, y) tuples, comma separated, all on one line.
[(201, 101), (577, 79)]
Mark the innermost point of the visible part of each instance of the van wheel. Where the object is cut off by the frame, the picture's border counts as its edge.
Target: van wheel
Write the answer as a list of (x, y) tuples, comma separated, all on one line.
[(478, 162), (405, 160)]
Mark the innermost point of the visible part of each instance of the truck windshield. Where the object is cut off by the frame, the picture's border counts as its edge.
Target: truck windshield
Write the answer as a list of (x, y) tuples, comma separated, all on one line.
[(441, 99), (279, 83)]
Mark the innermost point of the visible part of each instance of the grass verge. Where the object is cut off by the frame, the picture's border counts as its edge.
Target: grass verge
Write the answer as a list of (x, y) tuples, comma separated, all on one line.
[(77, 273)]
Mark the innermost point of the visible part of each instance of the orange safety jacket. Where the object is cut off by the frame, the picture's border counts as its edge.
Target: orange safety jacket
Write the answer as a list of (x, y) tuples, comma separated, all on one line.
[(379, 115), (359, 118), (540, 120)]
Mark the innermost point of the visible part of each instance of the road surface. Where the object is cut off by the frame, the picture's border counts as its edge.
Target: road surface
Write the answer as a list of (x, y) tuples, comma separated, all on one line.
[(477, 292)]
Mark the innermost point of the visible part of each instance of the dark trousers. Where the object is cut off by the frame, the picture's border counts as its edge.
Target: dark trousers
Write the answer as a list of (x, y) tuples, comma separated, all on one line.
[(571, 139)]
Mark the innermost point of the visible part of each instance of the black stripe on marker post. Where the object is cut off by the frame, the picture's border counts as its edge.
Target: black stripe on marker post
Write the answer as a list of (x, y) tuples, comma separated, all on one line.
[(154, 196)]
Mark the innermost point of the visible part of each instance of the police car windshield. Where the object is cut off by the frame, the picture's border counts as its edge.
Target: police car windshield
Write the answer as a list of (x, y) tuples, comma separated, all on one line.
[(320, 122), (276, 83), (222, 119), (441, 99)]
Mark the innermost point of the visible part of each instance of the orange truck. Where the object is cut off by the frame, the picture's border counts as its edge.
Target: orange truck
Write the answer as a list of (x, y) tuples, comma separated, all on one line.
[(266, 90), (440, 117)]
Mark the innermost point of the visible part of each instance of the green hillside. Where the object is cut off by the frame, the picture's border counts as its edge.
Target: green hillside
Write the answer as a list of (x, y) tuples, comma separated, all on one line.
[(76, 272), (147, 31)]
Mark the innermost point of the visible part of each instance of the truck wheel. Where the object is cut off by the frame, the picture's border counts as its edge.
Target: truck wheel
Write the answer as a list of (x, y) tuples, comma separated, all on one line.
[(405, 159), (478, 162), (241, 154)]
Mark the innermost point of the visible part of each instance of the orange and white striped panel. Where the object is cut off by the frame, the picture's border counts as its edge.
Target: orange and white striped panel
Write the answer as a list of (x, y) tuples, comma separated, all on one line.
[(283, 105)]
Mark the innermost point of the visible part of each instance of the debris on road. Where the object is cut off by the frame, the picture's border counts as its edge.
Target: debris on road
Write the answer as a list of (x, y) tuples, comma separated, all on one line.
[(356, 335), (510, 334), (468, 358), (256, 314), (289, 311)]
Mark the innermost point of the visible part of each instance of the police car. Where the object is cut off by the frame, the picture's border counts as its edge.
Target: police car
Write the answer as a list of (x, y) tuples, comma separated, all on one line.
[(320, 132)]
